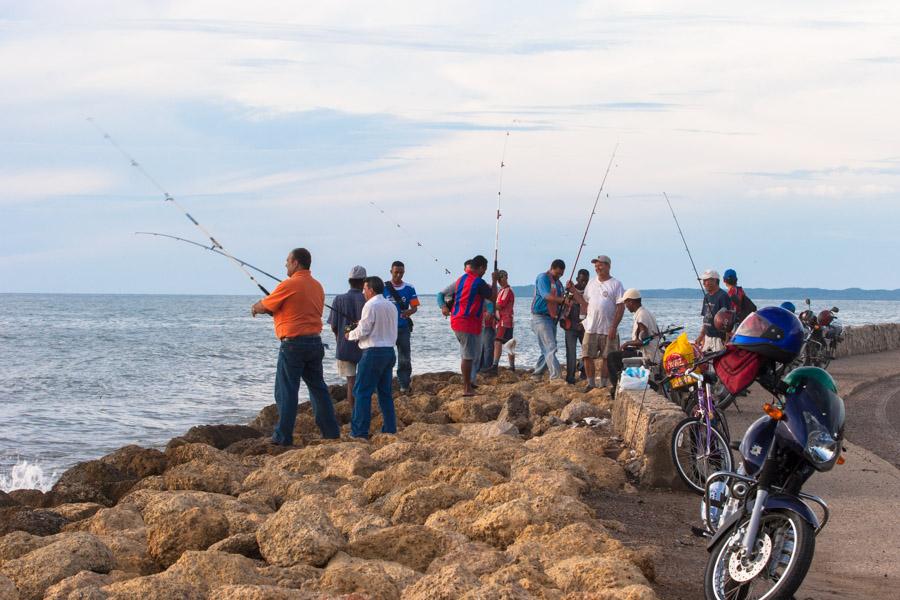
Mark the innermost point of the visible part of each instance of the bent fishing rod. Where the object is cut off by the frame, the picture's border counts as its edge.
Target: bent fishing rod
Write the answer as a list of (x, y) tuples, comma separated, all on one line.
[(499, 195), (588, 227), (169, 198), (243, 262)]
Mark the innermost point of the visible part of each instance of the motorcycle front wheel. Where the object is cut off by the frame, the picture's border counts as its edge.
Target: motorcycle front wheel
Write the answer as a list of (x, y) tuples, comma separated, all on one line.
[(784, 550), (698, 452)]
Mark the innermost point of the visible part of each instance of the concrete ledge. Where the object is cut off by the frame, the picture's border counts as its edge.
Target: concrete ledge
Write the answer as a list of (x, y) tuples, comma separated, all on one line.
[(648, 431), (866, 339)]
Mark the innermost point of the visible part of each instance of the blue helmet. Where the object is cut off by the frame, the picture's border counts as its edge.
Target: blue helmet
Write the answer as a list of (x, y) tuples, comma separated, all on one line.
[(730, 276), (789, 306), (773, 332)]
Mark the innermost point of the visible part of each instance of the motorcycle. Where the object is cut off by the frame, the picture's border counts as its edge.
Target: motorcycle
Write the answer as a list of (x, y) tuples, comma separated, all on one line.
[(824, 332), (760, 523)]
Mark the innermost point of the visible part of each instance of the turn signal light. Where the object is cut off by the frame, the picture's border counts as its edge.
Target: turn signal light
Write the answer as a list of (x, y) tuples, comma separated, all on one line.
[(840, 460), (772, 411)]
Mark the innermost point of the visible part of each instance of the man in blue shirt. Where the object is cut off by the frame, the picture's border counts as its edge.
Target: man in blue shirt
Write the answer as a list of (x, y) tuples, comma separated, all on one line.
[(548, 298), (715, 299), (345, 311), (405, 299)]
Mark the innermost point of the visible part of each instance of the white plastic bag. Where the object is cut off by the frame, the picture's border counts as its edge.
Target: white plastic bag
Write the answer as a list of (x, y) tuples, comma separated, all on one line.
[(634, 378)]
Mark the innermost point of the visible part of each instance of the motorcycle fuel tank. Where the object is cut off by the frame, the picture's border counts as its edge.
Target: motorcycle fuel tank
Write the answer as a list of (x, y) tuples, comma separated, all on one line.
[(756, 442)]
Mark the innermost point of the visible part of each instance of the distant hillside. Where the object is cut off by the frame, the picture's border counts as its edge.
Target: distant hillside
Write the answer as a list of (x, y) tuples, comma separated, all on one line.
[(767, 293)]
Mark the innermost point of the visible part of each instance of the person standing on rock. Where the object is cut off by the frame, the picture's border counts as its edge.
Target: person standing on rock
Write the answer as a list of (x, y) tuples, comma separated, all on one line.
[(376, 335), (547, 301), (644, 326), (504, 313), (296, 305), (469, 294), (345, 312), (488, 335), (572, 324), (601, 324), (404, 297)]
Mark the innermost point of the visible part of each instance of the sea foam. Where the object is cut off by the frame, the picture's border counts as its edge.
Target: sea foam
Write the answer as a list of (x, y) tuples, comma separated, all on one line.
[(26, 476)]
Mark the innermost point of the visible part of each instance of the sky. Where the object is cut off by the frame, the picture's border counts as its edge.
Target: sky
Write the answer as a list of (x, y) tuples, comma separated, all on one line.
[(772, 127)]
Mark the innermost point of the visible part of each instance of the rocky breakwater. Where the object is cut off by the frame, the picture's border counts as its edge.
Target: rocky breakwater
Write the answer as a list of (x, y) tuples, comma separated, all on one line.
[(496, 496), (865, 339)]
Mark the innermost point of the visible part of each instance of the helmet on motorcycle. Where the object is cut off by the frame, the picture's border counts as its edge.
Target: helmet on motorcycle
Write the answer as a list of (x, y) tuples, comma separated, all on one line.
[(825, 318), (724, 320), (789, 306), (772, 332), (808, 318)]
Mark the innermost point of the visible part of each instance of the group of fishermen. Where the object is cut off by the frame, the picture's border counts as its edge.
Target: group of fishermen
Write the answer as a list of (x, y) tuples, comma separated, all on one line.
[(372, 324)]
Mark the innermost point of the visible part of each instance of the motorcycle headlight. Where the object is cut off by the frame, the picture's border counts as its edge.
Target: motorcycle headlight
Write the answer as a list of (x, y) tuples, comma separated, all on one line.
[(821, 447)]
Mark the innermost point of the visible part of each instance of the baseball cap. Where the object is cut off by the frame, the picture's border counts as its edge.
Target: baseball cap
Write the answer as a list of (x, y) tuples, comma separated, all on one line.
[(602, 258), (730, 274), (630, 294), (710, 274), (357, 272)]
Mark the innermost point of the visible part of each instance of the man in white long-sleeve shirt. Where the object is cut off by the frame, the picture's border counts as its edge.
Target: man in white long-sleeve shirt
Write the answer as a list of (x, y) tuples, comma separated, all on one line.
[(376, 335)]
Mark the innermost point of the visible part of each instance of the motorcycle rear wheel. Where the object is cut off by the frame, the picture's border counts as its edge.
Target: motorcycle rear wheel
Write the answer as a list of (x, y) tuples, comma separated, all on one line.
[(790, 543), (692, 462)]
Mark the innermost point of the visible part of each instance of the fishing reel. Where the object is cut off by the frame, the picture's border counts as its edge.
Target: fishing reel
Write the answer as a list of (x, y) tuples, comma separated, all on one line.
[(350, 327)]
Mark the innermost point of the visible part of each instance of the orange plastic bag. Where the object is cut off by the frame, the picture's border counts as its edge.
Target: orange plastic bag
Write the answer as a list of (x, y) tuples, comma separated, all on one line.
[(677, 360)]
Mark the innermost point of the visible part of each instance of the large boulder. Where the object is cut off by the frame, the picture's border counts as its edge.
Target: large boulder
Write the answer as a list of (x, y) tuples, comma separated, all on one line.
[(196, 528), (467, 410), (83, 586), (36, 521), (576, 410), (396, 477), (299, 533), (412, 545), (449, 583), (417, 504), (208, 570), (91, 481), (515, 410), (76, 511), (599, 573), (65, 557), (137, 462), (8, 589), (219, 476), (28, 497), (122, 517), (220, 436), (378, 579), (6, 500), (153, 587), (244, 544), (266, 420), (260, 592), (19, 543)]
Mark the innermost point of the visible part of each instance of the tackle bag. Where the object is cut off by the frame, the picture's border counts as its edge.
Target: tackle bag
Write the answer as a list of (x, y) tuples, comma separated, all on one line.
[(677, 360), (737, 368)]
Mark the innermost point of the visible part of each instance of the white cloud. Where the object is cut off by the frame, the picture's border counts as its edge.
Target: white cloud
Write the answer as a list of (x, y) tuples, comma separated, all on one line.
[(36, 184)]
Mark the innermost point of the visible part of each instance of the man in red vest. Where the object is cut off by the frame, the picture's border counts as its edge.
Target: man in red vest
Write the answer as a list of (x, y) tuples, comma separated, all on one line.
[(469, 293)]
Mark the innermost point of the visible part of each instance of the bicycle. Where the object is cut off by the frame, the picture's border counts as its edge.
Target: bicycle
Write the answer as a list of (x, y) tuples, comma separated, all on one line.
[(700, 443)]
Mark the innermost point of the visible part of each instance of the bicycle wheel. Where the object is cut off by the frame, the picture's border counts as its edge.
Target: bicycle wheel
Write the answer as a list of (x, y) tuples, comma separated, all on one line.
[(723, 397), (699, 451)]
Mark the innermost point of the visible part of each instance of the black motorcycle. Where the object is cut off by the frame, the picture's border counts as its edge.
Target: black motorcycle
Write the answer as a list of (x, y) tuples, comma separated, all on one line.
[(823, 333), (762, 528)]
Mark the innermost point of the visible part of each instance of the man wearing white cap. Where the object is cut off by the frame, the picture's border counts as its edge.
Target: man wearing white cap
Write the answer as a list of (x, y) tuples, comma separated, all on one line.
[(346, 310), (600, 298), (644, 326), (715, 299)]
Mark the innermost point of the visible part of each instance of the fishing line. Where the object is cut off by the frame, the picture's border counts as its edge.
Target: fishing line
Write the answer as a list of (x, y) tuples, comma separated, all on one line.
[(243, 262), (499, 195), (688, 250), (169, 198), (410, 236)]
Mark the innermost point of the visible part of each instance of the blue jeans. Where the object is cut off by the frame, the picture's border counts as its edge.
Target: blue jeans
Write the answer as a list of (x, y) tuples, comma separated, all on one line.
[(488, 335), (404, 358), (301, 358), (544, 328), (373, 373)]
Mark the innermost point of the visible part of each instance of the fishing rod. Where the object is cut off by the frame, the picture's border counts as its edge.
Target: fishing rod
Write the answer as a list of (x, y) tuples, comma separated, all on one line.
[(243, 262), (593, 212), (410, 236), (499, 194), (211, 249), (169, 198), (688, 250)]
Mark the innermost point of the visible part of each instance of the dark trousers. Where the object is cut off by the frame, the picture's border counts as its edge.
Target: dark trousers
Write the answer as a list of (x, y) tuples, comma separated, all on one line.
[(404, 357), (615, 363), (573, 338), (301, 359), (373, 373)]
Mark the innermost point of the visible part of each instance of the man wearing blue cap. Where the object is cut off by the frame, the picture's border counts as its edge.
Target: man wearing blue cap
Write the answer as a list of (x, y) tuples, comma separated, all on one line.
[(741, 304)]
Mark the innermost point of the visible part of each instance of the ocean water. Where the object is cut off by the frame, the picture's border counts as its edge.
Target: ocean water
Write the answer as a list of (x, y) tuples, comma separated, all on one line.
[(82, 375)]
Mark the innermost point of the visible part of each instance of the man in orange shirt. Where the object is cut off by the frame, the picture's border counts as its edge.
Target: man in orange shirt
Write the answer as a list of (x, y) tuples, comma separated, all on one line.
[(296, 305)]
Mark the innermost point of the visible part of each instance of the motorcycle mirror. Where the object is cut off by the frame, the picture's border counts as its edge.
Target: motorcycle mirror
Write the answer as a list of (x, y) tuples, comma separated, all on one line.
[(835, 309), (807, 302)]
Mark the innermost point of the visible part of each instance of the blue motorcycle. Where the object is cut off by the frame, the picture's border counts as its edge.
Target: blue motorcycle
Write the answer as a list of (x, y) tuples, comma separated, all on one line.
[(761, 524)]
